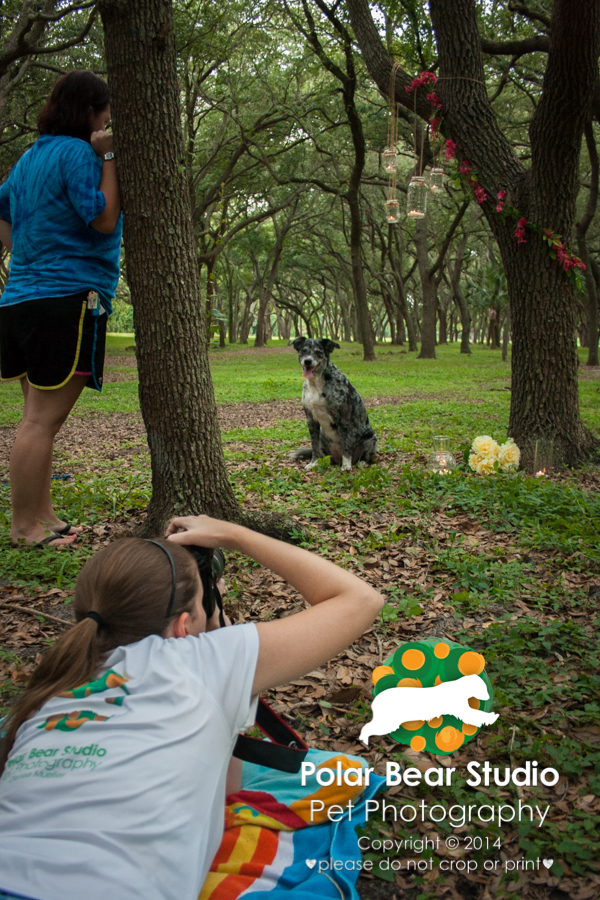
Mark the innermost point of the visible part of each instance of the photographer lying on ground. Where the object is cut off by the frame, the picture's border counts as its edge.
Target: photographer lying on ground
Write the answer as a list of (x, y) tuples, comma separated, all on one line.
[(116, 755)]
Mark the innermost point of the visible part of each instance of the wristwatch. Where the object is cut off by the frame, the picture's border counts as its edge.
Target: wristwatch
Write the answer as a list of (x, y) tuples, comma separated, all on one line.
[(107, 156)]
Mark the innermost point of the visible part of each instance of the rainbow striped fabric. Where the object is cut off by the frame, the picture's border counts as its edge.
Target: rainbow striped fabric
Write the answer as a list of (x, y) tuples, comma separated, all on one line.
[(271, 846)]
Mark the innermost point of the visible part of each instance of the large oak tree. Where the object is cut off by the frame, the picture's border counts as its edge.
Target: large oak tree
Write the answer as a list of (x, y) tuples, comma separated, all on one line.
[(176, 391), (544, 399)]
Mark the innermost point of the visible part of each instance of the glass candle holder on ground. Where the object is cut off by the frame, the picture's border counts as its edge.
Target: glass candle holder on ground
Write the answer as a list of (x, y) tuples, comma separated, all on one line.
[(390, 160), (441, 460), (543, 458), (416, 197), (436, 180), (392, 211)]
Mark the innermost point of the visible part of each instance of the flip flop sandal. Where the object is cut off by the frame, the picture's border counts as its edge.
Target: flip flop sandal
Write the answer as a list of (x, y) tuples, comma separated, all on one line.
[(55, 536), (65, 531)]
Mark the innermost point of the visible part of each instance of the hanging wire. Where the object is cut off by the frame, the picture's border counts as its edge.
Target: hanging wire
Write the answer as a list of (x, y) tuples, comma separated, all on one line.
[(391, 202)]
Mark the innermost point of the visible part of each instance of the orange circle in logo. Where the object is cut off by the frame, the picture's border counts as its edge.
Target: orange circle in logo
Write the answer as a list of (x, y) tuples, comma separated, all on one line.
[(417, 743), (441, 650), (469, 729), (474, 703), (413, 659), (380, 671), (413, 726), (409, 682), (435, 723), (449, 739), (471, 663)]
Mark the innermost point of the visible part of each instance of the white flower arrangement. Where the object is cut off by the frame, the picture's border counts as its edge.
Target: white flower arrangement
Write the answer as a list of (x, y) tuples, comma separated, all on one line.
[(487, 455)]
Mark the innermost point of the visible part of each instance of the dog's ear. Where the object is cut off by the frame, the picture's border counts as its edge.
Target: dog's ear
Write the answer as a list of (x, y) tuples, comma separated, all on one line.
[(297, 344), (328, 346)]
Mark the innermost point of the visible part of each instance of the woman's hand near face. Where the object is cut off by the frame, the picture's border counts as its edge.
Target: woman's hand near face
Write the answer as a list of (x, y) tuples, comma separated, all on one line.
[(102, 142), (107, 221)]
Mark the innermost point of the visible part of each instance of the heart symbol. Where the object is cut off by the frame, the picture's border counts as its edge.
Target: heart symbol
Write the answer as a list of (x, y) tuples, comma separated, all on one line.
[(311, 863), (548, 863)]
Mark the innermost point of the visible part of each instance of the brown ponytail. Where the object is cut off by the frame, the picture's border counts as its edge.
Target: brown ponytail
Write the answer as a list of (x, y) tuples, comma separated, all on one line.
[(128, 585)]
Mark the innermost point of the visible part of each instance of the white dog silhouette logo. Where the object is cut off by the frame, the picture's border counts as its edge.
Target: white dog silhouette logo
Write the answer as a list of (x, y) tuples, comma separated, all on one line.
[(432, 694), (394, 706)]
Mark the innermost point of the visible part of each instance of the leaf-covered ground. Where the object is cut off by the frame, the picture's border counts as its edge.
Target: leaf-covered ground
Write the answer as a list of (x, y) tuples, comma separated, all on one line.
[(509, 565)]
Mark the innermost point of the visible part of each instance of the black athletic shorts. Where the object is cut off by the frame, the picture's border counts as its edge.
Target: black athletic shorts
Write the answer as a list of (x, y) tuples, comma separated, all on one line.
[(47, 341)]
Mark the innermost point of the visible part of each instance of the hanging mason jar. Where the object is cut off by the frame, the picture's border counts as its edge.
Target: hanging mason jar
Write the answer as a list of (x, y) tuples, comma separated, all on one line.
[(390, 160), (392, 211), (436, 180), (416, 199)]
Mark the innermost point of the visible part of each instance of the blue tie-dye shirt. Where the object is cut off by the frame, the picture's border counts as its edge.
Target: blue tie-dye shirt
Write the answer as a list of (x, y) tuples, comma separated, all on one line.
[(50, 197)]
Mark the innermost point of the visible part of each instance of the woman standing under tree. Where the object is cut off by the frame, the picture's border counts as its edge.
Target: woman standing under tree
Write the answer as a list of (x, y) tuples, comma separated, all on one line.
[(60, 213)]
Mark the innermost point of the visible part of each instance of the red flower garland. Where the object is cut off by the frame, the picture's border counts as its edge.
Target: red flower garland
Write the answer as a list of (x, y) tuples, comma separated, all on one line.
[(558, 251), (420, 81), (520, 231)]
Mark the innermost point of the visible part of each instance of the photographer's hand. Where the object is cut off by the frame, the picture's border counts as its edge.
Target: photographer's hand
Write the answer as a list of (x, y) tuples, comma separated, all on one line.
[(202, 531)]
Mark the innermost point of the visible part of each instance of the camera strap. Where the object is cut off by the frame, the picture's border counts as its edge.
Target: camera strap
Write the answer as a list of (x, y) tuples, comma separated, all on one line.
[(285, 751)]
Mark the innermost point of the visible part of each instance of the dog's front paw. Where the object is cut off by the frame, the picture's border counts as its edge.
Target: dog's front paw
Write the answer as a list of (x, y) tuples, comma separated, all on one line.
[(346, 464), (311, 464)]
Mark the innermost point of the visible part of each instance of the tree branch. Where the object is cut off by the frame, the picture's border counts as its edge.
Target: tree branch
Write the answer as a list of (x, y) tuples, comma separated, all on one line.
[(444, 248), (531, 14), (538, 44)]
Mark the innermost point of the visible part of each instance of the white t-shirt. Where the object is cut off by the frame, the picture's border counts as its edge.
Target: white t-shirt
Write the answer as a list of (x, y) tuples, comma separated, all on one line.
[(118, 792)]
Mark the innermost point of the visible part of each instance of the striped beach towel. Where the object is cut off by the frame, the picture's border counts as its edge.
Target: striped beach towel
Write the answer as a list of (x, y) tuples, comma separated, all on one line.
[(271, 844)]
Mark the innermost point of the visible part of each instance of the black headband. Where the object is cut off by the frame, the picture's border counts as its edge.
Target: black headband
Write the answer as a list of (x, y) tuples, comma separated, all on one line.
[(96, 617), (173, 575)]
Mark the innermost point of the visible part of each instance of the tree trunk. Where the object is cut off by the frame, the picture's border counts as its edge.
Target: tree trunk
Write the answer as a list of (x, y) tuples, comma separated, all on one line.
[(494, 329), (267, 289), (247, 318), (443, 320), (390, 312), (404, 315), (593, 317), (459, 298), (506, 337), (176, 392), (363, 316), (428, 293), (582, 227)]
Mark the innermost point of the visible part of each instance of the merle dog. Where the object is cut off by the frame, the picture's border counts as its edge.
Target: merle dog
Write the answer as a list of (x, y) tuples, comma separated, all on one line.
[(335, 413)]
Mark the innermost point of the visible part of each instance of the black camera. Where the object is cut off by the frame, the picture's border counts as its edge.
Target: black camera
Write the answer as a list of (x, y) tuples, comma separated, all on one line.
[(211, 565)]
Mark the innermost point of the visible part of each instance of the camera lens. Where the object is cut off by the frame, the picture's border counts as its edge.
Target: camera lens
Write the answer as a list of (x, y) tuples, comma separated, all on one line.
[(217, 563)]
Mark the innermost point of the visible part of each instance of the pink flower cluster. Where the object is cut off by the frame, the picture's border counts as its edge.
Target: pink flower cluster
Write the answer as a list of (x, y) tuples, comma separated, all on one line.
[(450, 149), (434, 125), (466, 169), (420, 81), (565, 259), (500, 203), (520, 230), (434, 100)]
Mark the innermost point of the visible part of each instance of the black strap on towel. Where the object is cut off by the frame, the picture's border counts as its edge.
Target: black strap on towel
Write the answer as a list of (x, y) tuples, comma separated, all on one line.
[(285, 751)]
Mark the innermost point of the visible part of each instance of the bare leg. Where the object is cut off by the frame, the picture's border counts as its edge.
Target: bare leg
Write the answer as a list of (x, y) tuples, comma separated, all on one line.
[(31, 459), (46, 514)]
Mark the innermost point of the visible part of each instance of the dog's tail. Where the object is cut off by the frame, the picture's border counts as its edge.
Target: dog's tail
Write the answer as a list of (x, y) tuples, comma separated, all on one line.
[(303, 453)]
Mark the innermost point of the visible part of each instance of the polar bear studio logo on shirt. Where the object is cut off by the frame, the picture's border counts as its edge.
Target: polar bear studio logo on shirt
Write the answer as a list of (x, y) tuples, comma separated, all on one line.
[(71, 721), (107, 682), (433, 695)]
